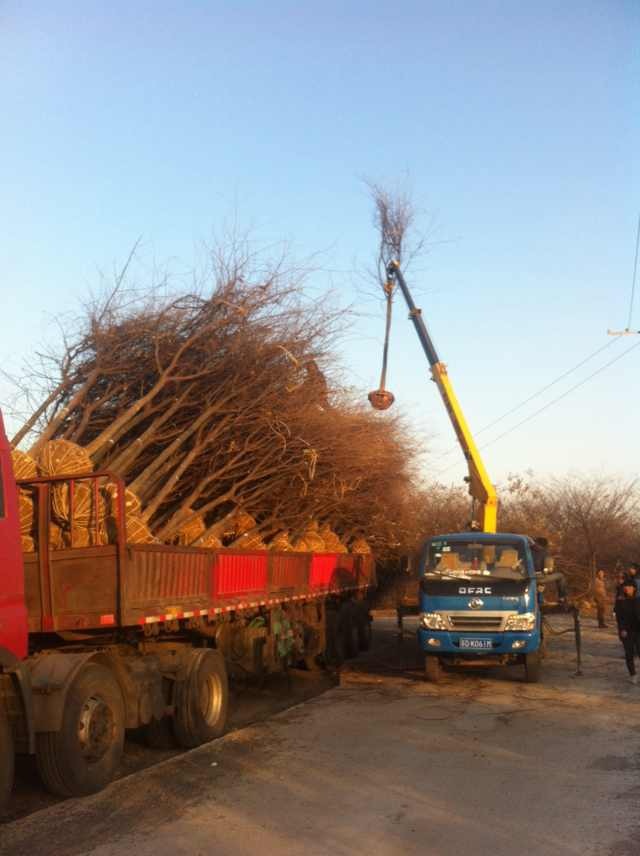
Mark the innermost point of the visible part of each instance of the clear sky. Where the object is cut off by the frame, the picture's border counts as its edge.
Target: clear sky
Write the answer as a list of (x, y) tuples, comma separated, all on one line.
[(518, 125)]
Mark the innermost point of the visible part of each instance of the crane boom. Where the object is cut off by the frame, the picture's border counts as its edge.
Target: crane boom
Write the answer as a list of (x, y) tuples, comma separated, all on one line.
[(480, 485)]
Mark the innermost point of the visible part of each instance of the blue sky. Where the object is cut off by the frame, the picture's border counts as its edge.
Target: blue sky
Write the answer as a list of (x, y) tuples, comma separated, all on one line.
[(516, 124)]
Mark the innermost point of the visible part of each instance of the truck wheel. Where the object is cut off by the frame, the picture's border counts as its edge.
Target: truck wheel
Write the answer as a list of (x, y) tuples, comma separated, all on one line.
[(7, 756), (432, 670), (83, 757), (364, 627), (201, 700), (532, 664), (335, 639)]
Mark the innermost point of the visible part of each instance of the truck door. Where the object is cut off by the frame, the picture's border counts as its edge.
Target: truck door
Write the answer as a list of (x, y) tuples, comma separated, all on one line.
[(13, 612)]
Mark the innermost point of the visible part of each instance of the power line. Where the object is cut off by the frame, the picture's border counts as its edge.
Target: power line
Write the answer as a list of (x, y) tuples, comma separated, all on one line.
[(536, 394), (546, 387), (554, 401), (564, 395)]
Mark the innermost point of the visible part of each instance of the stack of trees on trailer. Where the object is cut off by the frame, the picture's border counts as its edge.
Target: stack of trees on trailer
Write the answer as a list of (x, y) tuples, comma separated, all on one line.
[(220, 408)]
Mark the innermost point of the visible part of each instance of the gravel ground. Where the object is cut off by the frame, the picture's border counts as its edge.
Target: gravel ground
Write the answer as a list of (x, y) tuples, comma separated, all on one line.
[(385, 763)]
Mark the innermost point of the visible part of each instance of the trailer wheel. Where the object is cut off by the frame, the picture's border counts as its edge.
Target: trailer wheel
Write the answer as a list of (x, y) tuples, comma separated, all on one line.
[(335, 639), (432, 670), (201, 700), (532, 667), (7, 756), (82, 758)]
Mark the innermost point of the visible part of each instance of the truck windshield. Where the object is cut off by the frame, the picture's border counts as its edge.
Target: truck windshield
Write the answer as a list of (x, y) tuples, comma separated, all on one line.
[(467, 559)]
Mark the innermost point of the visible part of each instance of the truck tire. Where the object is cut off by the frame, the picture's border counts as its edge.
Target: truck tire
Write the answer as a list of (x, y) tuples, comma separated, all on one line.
[(7, 759), (83, 757), (201, 700), (432, 669), (335, 639), (532, 666)]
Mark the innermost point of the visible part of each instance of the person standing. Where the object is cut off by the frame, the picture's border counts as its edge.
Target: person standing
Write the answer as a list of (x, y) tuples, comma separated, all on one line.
[(628, 617), (600, 597)]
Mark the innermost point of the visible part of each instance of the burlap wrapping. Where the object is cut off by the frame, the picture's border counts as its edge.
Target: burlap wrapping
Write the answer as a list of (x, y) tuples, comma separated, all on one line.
[(210, 541), (280, 543), (26, 512), (238, 530), (359, 545), (311, 541), (241, 522), (250, 542), (28, 544), (192, 529), (332, 543), (58, 539), (138, 532), (24, 466), (60, 457), (132, 504)]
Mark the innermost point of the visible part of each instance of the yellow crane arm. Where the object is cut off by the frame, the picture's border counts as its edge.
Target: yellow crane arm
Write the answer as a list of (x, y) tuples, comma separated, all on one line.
[(480, 485)]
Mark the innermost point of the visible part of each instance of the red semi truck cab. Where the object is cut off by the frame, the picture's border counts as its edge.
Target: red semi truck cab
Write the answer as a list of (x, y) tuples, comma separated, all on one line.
[(13, 610)]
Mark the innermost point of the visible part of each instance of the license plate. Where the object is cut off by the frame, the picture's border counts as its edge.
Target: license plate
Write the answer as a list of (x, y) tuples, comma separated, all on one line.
[(482, 644)]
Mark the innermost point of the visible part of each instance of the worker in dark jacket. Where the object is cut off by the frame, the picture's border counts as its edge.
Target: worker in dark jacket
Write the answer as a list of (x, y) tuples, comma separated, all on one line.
[(628, 617)]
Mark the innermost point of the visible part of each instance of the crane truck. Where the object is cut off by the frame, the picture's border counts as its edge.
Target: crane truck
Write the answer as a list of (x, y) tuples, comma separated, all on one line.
[(96, 640), (480, 592)]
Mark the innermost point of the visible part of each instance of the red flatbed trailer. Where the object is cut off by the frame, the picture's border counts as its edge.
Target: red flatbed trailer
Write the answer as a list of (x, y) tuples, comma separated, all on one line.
[(94, 640)]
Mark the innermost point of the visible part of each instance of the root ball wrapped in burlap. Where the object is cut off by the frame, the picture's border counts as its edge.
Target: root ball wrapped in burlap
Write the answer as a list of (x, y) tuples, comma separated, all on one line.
[(280, 543), (210, 541), (137, 530), (28, 544), (332, 543), (359, 545), (62, 458), (24, 466), (191, 530), (311, 541)]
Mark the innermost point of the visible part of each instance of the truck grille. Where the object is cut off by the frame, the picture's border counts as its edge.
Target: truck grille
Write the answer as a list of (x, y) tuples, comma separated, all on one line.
[(476, 622)]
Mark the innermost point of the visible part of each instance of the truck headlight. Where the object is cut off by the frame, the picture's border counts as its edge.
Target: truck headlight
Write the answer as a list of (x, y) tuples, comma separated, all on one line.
[(433, 621), (520, 621)]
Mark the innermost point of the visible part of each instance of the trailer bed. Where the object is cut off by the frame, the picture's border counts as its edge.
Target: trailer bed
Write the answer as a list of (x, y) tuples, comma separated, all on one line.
[(137, 584)]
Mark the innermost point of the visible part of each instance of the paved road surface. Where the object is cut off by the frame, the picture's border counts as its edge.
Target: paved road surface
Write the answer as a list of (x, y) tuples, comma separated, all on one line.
[(386, 764)]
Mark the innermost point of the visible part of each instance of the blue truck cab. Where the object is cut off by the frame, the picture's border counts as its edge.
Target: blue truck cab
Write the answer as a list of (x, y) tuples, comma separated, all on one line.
[(480, 602)]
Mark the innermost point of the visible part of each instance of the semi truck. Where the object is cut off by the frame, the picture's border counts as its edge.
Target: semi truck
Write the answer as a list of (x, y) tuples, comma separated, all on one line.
[(95, 640)]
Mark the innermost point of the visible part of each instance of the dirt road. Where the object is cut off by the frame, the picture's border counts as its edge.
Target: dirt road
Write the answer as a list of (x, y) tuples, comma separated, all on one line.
[(386, 764)]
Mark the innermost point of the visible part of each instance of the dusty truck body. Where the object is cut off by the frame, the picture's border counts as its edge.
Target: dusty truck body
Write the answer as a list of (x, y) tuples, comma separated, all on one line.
[(95, 640)]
